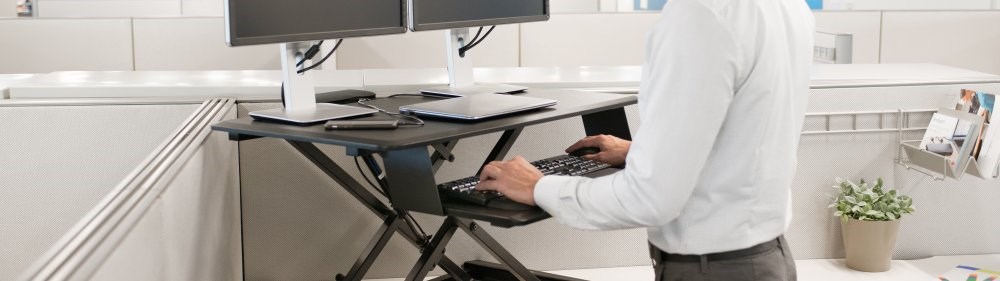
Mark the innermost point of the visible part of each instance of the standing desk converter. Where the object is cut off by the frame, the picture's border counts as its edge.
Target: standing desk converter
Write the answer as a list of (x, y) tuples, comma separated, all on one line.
[(409, 165)]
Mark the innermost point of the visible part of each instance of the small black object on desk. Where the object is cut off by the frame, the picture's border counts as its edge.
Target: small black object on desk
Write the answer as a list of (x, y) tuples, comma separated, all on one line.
[(344, 96)]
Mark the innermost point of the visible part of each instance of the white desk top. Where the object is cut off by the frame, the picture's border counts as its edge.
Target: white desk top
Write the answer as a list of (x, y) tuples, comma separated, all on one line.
[(853, 75), (257, 84), (129, 84), (7, 80)]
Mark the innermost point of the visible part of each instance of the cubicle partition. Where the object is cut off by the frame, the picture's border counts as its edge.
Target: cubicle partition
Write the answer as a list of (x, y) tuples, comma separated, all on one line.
[(61, 157), (175, 216)]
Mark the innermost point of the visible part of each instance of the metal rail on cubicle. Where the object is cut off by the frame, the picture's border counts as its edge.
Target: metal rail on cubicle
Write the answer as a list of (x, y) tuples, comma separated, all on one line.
[(82, 250), (927, 163)]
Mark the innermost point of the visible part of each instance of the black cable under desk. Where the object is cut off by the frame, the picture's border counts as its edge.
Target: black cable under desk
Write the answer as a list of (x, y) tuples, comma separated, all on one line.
[(409, 168)]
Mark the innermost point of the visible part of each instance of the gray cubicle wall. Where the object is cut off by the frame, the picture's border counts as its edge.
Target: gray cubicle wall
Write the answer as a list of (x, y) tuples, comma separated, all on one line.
[(299, 225), (58, 159)]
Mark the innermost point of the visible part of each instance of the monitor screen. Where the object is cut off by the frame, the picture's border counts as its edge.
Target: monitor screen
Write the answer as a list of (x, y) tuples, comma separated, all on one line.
[(445, 14), (250, 22)]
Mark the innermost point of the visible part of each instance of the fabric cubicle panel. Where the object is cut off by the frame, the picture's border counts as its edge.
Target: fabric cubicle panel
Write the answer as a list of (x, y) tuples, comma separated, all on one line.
[(610, 39), (426, 49), (864, 26), (59, 161), (965, 39), (107, 8), (300, 225), (45, 45), (192, 230), (574, 6), (196, 44)]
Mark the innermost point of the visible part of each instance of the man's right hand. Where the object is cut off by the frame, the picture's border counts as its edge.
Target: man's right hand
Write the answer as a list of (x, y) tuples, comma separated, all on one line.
[(613, 149)]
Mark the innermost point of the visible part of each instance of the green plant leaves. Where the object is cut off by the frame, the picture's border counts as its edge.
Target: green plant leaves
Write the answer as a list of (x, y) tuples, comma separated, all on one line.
[(869, 202)]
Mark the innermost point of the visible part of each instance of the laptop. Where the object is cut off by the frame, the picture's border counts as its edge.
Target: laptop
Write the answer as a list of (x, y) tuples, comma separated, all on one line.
[(477, 89), (322, 112), (476, 107)]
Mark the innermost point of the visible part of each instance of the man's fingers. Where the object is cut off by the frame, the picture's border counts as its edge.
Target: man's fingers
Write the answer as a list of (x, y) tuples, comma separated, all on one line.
[(487, 185), (490, 172), (591, 141)]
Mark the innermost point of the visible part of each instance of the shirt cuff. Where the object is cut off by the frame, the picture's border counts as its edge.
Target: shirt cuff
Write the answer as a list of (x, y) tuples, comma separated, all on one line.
[(547, 194)]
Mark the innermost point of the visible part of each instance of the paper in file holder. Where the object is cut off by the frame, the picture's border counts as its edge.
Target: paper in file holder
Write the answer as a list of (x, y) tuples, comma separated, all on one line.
[(938, 166)]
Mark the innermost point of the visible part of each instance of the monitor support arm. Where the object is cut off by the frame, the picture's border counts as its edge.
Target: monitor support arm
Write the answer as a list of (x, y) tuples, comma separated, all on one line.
[(459, 68), (299, 91)]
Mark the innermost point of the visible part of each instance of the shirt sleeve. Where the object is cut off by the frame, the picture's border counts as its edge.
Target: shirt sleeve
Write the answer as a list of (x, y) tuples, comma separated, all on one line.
[(688, 83)]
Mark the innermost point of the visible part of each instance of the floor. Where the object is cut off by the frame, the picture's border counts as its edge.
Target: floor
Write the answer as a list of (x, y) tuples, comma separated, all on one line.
[(814, 270)]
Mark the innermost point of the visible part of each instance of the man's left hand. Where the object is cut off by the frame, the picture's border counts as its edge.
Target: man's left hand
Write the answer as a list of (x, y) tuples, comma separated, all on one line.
[(515, 178)]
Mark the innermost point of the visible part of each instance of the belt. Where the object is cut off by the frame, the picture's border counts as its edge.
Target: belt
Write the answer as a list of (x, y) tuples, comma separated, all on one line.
[(660, 256)]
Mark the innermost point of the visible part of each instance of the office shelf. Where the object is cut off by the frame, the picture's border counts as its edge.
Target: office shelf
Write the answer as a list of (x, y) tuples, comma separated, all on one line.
[(935, 165)]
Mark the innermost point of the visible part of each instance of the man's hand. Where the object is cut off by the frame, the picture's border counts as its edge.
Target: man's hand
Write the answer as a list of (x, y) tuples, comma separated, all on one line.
[(613, 149), (515, 178)]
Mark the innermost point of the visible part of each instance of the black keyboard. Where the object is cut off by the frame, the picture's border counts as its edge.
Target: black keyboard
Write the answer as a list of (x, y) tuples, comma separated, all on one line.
[(564, 165)]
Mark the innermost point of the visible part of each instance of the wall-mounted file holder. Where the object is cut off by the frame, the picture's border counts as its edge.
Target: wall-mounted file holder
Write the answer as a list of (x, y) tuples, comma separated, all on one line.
[(935, 165), (900, 122)]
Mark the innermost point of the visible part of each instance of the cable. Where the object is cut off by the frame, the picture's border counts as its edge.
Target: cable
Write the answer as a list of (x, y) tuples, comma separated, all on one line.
[(363, 175), (474, 38), (417, 95), (466, 48), (317, 64), (313, 50), (415, 121), (408, 218)]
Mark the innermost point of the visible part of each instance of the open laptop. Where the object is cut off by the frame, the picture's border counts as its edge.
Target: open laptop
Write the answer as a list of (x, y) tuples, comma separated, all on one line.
[(476, 107)]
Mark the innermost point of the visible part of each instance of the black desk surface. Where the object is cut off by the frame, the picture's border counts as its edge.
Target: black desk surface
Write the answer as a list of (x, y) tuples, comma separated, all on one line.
[(436, 131)]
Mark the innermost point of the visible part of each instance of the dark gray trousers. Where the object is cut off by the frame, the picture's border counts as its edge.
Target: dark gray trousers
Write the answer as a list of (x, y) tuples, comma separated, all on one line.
[(775, 264)]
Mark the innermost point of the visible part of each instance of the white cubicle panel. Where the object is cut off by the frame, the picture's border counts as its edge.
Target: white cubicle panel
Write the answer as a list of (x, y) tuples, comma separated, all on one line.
[(9, 11), (107, 8), (426, 49), (192, 229), (574, 6), (879, 5), (865, 27), (966, 39), (60, 161), (202, 8), (586, 40), (44, 45), (196, 44)]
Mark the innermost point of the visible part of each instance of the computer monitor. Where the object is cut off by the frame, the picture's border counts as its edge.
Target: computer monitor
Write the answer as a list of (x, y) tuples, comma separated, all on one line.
[(292, 24), (458, 16)]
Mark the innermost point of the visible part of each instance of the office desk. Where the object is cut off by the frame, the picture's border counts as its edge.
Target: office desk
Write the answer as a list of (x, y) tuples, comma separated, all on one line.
[(409, 174)]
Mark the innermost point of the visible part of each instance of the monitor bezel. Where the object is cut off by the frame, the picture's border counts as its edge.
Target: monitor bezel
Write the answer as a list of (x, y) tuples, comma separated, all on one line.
[(233, 41), (415, 26)]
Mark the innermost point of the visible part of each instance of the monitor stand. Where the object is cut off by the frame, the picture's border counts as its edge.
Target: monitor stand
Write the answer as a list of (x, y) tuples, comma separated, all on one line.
[(299, 94), (460, 76)]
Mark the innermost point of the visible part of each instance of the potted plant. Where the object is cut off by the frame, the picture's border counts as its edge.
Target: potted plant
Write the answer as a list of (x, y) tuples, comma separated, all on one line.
[(869, 222)]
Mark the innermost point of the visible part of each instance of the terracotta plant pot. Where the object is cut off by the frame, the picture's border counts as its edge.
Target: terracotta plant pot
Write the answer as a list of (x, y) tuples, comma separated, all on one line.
[(869, 244)]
